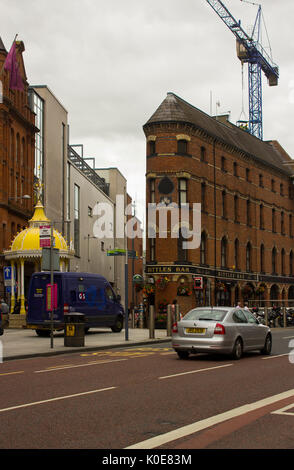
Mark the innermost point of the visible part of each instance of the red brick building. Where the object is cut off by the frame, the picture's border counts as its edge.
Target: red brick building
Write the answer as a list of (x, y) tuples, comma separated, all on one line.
[(17, 145), (245, 187)]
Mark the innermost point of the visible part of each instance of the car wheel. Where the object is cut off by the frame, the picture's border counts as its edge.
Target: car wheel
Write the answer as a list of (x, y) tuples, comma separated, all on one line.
[(183, 354), (267, 346), (86, 329), (117, 327), (1, 331), (238, 349), (43, 333)]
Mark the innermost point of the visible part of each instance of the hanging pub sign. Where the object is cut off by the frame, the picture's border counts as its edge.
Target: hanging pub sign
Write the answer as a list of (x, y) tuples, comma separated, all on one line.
[(198, 282)]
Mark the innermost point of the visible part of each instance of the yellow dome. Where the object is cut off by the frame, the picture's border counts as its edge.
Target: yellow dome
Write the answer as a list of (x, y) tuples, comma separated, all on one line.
[(29, 239)]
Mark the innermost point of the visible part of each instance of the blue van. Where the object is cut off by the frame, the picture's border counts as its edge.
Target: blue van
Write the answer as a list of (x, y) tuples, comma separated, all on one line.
[(90, 294)]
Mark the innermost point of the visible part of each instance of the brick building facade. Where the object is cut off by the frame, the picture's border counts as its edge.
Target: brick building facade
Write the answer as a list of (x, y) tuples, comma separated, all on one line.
[(17, 146), (245, 187)]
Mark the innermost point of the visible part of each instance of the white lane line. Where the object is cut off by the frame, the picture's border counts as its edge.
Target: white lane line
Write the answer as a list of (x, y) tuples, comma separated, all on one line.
[(287, 337), (70, 366), (184, 431), (194, 371), (25, 405), (274, 357), (283, 411)]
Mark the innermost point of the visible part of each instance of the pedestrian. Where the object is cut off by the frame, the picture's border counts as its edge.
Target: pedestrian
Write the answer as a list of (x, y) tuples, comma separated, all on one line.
[(4, 309), (246, 306)]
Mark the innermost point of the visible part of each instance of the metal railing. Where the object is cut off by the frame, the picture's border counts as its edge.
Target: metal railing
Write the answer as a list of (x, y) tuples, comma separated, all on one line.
[(89, 172)]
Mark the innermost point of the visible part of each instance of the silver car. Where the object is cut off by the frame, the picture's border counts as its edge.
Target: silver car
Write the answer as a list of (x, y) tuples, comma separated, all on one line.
[(226, 330)]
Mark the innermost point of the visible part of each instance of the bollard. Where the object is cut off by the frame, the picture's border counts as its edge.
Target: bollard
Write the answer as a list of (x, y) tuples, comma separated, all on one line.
[(284, 317), (141, 312), (151, 322), (133, 318), (266, 316), (177, 313), (169, 321)]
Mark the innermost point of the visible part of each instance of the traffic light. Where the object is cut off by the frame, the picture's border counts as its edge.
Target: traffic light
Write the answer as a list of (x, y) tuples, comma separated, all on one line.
[(198, 282)]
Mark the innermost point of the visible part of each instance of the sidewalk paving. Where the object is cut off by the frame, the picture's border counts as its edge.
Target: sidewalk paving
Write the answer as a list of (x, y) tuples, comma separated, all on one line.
[(22, 343)]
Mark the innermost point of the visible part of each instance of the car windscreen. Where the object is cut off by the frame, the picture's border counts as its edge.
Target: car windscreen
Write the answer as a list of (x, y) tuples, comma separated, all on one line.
[(209, 314)]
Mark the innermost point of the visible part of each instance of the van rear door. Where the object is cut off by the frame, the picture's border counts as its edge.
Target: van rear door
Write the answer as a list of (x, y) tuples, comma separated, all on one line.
[(37, 305)]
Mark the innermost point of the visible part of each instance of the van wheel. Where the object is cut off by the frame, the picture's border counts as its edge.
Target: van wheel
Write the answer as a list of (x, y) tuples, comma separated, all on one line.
[(43, 333), (117, 327)]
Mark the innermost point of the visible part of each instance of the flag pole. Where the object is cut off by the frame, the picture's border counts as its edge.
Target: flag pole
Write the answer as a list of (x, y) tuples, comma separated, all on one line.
[(9, 50)]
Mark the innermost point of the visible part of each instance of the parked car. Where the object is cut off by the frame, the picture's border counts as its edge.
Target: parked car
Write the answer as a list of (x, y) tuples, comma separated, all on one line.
[(225, 330), (90, 294)]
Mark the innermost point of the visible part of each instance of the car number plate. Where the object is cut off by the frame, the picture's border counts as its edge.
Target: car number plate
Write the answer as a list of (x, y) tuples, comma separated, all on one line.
[(195, 330)]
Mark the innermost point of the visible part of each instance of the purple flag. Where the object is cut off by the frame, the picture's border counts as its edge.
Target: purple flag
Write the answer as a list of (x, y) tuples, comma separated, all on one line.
[(12, 66)]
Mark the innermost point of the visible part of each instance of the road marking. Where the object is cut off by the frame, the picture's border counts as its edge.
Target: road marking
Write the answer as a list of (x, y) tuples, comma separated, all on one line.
[(71, 366), (13, 373), (184, 431), (287, 337), (25, 405), (282, 411), (274, 357), (193, 371)]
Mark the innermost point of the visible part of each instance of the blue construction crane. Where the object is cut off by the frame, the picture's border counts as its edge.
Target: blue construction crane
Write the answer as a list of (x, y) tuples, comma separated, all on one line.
[(250, 50)]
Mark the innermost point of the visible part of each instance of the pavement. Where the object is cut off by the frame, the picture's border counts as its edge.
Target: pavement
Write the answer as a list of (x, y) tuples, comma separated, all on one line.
[(24, 343)]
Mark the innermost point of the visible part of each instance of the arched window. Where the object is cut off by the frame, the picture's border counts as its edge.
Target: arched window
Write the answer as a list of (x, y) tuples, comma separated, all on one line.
[(22, 152), (291, 263), (274, 260), (17, 148), (248, 257), (203, 248), (262, 270), (261, 218), (236, 209), (224, 204), (224, 253), (236, 254), (12, 144), (283, 262)]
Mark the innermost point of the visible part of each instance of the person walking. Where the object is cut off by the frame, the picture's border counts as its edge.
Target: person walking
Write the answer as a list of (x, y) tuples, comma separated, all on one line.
[(4, 309)]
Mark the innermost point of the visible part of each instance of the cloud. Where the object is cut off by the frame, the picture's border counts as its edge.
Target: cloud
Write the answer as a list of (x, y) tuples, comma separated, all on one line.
[(112, 63)]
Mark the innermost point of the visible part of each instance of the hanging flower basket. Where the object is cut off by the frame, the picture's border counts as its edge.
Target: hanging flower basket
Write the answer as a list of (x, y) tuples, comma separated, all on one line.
[(184, 290), (260, 290), (220, 286), (247, 291), (148, 289), (162, 282)]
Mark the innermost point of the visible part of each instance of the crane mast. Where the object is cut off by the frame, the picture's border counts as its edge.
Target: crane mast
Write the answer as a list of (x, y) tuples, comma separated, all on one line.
[(249, 50)]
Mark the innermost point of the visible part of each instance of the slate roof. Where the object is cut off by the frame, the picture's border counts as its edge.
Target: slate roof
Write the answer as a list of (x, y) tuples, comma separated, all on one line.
[(175, 109)]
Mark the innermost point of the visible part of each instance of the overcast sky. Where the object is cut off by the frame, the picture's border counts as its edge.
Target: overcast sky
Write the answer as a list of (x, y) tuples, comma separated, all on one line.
[(112, 63)]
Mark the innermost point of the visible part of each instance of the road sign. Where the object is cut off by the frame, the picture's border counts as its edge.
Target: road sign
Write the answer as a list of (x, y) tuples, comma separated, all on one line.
[(45, 236), (7, 270), (116, 252)]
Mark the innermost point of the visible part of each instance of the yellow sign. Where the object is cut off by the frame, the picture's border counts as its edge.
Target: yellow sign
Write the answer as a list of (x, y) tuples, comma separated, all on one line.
[(70, 330)]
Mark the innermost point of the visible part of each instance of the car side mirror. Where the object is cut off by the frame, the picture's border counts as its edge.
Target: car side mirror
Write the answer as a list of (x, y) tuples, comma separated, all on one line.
[(118, 298)]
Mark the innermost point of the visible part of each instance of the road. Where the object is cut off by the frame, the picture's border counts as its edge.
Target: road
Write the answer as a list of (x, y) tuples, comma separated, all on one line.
[(147, 398)]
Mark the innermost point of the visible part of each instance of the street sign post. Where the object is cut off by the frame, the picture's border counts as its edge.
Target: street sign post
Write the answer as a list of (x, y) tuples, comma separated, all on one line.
[(122, 252), (44, 235)]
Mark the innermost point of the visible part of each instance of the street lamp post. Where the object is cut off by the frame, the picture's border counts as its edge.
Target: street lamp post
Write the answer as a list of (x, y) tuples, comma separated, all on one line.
[(52, 278)]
